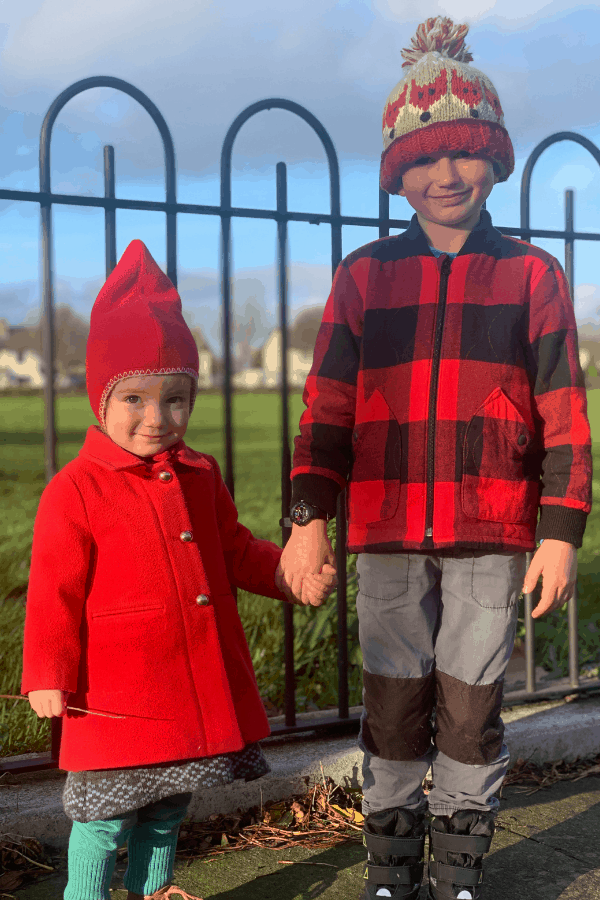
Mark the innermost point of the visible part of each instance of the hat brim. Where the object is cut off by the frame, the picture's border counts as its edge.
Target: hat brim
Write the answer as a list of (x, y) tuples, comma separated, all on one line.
[(487, 138)]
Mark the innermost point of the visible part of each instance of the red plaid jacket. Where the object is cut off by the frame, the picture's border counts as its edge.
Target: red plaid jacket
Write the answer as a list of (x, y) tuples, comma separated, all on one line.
[(448, 395)]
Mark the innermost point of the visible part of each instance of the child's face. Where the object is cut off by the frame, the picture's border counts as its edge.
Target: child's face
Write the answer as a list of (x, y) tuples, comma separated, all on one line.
[(146, 414), (448, 189)]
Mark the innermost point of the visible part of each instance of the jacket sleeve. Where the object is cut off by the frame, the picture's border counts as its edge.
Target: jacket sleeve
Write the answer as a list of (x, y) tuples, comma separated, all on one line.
[(60, 566), (323, 449), (560, 402), (251, 562)]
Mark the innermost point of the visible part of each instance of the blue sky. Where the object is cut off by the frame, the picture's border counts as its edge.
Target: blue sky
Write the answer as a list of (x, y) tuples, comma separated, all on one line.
[(202, 63)]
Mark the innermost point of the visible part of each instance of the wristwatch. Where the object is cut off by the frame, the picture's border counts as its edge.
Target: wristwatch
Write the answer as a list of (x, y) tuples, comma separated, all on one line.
[(302, 513)]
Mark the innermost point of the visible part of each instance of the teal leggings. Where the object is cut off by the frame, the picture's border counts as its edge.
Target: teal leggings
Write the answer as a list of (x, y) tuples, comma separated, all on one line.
[(151, 835)]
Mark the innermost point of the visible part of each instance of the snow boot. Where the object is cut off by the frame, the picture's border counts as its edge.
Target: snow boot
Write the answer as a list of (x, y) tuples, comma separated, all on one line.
[(456, 847), (395, 841)]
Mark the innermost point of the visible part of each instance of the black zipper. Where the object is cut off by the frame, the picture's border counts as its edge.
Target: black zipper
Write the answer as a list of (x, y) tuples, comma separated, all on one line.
[(435, 371)]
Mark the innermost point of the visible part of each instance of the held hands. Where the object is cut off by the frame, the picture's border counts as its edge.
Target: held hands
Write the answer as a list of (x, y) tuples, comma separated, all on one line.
[(306, 572), (556, 562), (48, 703)]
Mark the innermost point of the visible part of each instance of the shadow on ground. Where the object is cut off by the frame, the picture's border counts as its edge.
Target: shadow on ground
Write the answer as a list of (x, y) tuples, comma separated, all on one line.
[(546, 848)]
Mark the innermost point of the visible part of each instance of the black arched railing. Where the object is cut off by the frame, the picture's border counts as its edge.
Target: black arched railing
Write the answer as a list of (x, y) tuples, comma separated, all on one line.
[(282, 216)]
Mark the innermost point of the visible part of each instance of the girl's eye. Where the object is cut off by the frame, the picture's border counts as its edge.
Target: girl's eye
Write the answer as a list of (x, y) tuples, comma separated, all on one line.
[(132, 398)]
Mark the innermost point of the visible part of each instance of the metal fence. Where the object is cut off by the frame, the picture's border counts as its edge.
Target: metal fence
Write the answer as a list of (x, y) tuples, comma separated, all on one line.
[(345, 718)]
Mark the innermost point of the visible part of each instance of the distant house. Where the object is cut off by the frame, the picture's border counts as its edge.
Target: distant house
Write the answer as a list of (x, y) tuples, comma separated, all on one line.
[(22, 368), (301, 345), (205, 359)]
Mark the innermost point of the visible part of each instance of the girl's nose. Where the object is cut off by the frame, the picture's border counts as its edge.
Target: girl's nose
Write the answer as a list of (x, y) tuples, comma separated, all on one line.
[(152, 414)]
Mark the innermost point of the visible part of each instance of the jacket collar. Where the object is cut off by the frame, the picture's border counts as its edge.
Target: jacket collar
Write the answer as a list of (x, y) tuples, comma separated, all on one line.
[(101, 449), (483, 238)]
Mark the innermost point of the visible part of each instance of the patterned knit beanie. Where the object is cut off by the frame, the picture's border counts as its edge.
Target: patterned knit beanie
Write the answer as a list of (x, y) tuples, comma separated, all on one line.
[(137, 328), (441, 105)]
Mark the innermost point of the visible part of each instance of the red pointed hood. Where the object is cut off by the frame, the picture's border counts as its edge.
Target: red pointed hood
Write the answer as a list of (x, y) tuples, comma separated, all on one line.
[(136, 328)]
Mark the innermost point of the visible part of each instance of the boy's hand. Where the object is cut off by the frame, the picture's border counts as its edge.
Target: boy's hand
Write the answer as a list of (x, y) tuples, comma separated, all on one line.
[(48, 703), (556, 562), (306, 552), (316, 588)]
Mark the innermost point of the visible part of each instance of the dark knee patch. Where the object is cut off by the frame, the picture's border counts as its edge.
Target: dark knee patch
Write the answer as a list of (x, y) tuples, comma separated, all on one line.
[(467, 720), (398, 712)]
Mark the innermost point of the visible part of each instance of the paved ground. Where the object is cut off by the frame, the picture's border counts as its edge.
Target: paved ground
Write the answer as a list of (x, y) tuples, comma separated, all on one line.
[(546, 848)]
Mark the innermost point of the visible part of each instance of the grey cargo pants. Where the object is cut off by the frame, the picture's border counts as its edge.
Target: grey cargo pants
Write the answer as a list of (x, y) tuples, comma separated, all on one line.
[(436, 633)]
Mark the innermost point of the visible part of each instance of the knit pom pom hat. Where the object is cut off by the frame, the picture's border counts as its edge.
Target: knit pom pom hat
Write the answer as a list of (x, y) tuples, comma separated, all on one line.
[(441, 105), (137, 328)]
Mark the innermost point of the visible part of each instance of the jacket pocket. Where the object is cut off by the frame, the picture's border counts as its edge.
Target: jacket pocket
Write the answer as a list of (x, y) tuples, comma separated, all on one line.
[(128, 610), (498, 482), (374, 488)]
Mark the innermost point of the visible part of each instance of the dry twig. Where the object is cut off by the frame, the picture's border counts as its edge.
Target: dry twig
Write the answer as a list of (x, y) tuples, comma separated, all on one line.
[(325, 815)]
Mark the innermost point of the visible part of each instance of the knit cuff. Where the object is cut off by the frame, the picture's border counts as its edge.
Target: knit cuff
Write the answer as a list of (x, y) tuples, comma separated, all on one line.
[(561, 523), (317, 490)]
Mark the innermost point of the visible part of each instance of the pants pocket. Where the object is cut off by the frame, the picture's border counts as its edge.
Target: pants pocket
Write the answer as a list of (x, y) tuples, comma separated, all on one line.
[(382, 576), (497, 578)]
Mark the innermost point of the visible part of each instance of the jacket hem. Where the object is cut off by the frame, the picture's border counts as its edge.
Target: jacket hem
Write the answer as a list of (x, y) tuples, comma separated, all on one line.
[(448, 549)]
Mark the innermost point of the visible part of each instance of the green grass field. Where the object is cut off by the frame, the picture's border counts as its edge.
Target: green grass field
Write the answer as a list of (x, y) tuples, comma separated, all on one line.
[(258, 498)]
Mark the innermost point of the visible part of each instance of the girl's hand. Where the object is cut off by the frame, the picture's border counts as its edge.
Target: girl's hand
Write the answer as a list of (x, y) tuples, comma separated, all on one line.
[(48, 703), (316, 588)]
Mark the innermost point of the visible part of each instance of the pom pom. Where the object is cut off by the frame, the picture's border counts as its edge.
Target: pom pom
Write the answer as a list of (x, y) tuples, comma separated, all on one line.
[(441, 35)]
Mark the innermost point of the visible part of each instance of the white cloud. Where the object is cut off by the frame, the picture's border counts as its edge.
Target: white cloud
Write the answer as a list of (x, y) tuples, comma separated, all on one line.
[(587, 303)]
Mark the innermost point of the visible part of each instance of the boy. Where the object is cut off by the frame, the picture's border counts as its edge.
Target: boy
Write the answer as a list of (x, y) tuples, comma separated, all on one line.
[(446, 391)]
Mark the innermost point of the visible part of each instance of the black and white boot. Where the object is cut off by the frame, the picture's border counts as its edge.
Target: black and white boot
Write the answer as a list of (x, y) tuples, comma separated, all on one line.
[(457, 844), (395, 841)]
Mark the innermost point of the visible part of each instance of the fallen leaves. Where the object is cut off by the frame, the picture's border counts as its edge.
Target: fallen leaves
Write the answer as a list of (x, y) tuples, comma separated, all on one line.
[(21, 859), (325, 815), (543, 776)]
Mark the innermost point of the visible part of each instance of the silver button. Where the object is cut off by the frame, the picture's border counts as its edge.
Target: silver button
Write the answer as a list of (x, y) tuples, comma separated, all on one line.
[(202, 600), (165, 476), (186, 536)]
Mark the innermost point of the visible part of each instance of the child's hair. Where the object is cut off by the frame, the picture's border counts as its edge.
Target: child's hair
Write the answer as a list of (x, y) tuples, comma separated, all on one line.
[(442, 105), (137, 328)]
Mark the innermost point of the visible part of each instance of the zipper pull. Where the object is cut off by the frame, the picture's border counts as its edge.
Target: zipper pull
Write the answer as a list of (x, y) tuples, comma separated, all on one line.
[(429, 532)]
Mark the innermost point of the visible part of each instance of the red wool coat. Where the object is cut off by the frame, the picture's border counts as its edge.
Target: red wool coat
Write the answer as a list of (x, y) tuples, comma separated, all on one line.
[(130, 607)]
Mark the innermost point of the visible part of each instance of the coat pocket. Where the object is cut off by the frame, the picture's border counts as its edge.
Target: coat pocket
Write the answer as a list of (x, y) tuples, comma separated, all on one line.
[(499, 482), (374, 489)]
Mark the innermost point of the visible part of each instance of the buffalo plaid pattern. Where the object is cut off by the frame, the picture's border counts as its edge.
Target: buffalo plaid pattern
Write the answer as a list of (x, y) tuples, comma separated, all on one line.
[(448, 395)]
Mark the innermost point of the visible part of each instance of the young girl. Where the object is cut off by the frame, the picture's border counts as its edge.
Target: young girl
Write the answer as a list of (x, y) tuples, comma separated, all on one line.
[(129, 610)]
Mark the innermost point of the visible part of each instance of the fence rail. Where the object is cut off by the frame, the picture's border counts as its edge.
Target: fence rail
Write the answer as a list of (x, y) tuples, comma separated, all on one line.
[(346, 718)]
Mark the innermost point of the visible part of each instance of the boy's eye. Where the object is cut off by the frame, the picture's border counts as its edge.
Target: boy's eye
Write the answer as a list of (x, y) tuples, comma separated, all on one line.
[(177, 399), (423, 161)]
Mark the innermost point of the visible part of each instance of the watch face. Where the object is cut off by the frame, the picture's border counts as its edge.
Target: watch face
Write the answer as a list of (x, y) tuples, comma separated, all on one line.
[(301, 513)]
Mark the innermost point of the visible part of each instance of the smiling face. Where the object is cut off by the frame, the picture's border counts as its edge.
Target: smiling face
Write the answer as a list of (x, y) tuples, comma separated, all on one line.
[(147, 414), (447, 192)]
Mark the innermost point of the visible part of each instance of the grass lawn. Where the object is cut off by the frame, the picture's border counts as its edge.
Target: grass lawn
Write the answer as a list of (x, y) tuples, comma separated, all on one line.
[(258, 498)]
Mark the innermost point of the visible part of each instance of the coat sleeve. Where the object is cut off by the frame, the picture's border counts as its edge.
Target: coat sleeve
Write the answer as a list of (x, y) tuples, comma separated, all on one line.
[(323, 449), (251, 562), (60, 565), (560, 402)]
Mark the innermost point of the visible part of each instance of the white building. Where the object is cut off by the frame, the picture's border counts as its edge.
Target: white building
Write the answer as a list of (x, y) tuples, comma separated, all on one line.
[(23, 367), (301, 345)]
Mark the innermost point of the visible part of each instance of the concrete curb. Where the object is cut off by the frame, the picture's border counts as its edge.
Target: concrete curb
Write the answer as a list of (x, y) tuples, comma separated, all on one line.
[(31, 805)]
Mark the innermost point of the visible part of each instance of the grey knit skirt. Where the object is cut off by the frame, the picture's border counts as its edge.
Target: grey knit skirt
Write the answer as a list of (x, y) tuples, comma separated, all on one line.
[(105, 793)]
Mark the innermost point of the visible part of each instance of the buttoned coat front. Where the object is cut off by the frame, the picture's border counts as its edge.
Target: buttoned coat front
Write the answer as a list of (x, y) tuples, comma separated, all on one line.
[(130, 608)]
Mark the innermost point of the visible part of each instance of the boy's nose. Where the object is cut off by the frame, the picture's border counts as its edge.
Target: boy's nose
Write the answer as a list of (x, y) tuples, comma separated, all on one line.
[(445, 171)]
